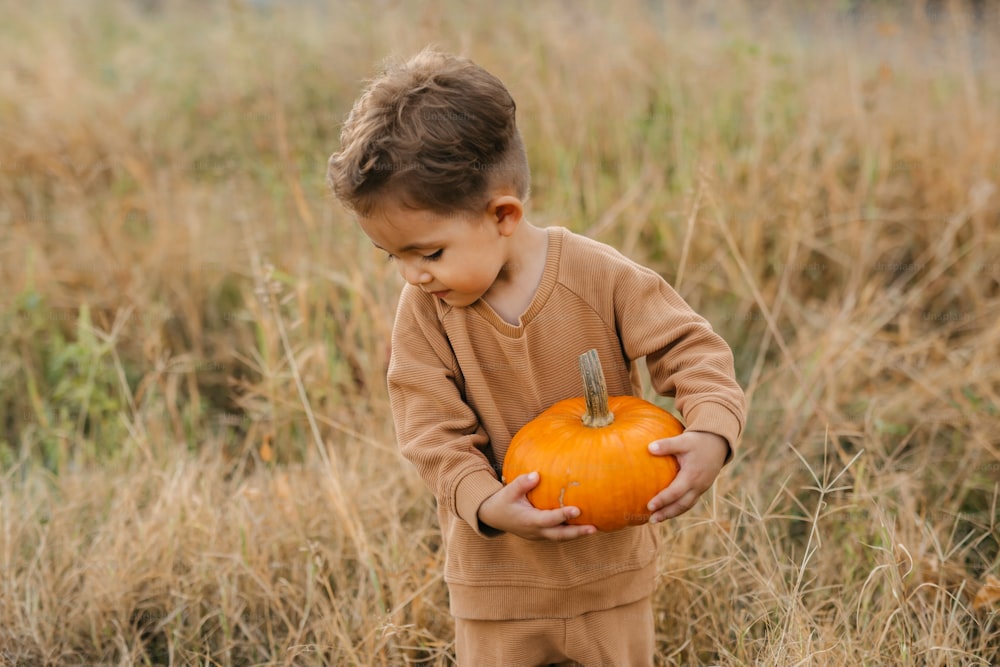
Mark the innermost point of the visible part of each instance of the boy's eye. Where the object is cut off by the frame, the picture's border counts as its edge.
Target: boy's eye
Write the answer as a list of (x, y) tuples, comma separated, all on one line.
[(389, 257), (433, 257)]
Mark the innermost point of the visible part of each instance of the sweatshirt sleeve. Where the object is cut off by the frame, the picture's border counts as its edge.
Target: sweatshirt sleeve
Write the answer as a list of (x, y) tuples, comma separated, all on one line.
[(438, 432), (687, 360)]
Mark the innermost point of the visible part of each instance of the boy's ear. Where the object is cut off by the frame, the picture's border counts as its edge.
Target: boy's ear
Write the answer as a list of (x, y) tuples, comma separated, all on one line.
[(507, 211)]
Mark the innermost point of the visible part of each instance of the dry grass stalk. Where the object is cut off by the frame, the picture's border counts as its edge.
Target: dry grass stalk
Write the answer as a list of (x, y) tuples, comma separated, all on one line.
[(198, 465)]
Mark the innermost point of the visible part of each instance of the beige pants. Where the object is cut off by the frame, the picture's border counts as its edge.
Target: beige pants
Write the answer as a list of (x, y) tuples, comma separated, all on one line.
[(618, 637)]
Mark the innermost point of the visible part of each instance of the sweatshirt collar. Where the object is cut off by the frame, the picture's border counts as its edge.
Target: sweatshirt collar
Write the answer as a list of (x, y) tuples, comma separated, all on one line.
[(550, 277)]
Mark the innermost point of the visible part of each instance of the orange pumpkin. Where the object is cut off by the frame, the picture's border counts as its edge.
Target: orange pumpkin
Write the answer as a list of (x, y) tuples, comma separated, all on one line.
[(590, 452)]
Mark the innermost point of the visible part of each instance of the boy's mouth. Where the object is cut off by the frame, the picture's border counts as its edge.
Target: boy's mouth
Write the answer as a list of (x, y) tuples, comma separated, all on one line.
[(442, 294)]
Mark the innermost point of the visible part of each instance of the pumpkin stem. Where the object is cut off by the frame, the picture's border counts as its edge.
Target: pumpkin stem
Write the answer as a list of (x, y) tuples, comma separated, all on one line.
[(595, 391)]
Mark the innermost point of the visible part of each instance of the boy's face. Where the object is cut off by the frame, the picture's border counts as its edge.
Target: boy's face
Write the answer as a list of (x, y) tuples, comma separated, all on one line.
[(457, 257)]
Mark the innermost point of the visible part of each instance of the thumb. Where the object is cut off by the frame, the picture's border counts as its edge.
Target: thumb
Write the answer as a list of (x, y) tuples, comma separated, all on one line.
[(526, 482), (671, 445)]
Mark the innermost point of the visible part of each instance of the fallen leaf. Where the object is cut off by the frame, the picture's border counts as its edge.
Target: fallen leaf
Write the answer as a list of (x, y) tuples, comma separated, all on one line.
[(266, 450), (989, 594)]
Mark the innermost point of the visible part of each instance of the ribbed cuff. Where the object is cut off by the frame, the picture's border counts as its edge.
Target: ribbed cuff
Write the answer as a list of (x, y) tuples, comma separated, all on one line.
[(470, 492), (716, 418)]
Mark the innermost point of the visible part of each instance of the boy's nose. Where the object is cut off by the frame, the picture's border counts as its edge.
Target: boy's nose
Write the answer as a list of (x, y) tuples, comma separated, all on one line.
[(415, 275)]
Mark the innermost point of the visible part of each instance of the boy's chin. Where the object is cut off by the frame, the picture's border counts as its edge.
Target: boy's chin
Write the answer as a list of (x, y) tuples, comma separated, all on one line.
[(460, 300)]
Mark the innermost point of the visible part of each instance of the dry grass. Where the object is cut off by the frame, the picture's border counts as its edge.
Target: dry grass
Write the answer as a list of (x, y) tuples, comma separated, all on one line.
[(198, 465)]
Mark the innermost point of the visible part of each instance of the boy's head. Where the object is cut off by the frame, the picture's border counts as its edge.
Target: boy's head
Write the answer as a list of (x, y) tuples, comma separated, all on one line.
[(435, 133)]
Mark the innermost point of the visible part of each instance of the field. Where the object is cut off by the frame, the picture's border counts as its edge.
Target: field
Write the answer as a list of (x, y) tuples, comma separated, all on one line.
[(197, 460)]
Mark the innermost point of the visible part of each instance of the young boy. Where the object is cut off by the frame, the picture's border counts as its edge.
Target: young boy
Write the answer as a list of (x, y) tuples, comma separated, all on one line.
[(489, 326)]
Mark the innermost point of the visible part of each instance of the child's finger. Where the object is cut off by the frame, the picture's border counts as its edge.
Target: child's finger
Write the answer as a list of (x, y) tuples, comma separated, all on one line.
[(558, 516), (678, 444), (675, 508), (674, 492), (558, 529), (565, 532), (524, 483)]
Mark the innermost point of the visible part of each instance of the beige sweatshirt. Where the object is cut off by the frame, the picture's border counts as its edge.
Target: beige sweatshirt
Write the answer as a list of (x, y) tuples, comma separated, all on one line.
[(462, 381)]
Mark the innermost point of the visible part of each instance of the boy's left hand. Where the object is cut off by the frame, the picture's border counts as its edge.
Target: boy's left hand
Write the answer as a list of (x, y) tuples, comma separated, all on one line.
[(700, 456)]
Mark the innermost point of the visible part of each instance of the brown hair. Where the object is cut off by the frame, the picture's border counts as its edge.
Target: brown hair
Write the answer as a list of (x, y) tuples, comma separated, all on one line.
[(437, 132)]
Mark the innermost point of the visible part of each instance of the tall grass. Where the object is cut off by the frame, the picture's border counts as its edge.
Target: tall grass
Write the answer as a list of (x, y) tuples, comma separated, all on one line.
[(198, 464)]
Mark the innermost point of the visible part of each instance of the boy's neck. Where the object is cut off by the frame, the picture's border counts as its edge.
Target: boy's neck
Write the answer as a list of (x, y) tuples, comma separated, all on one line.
[(518, 280)]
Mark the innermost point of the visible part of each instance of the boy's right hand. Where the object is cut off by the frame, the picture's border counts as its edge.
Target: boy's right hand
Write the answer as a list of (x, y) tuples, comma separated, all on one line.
[(510, 511)]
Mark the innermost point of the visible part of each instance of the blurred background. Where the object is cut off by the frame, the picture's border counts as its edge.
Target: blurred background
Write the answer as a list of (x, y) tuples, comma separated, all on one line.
[(197, 462)]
